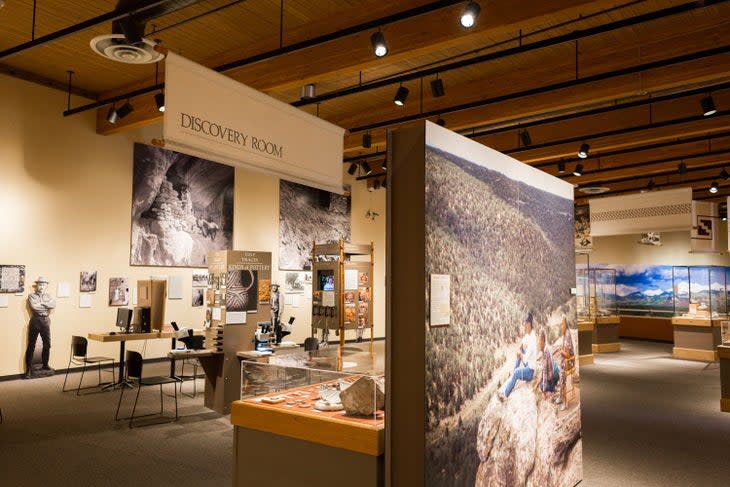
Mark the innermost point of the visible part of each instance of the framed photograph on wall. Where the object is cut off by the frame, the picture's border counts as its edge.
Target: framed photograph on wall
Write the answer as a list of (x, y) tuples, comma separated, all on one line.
[(87, 282), (118, 291), (12, 278)]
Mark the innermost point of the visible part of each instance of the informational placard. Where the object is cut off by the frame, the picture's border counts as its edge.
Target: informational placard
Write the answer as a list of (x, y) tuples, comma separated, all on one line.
[(235, 317), (63, 290), (85, 301), (3, 301), (328, 298), (350, 279), (232, 123), (216, 314), (440, 314), (174, 287)]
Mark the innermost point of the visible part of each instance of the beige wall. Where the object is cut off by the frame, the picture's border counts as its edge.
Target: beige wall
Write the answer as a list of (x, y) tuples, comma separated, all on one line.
[(65, 205), (624, 249)]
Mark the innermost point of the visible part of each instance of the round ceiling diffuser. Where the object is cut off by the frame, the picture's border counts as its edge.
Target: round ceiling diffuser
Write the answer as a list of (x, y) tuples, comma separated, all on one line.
[(594, 189), (116, 48)]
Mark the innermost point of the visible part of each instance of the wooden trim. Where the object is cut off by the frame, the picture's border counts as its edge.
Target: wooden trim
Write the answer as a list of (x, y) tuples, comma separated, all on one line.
[(608, 320), (695, 354), (723, 351), (606, 347), (679, 320), (725, 404), (322, 430), (585, 326), (585, 359)]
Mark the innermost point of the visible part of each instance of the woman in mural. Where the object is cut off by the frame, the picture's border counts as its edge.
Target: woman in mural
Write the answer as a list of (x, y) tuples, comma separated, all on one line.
[(526, 359), (550, 371), (567, 362)]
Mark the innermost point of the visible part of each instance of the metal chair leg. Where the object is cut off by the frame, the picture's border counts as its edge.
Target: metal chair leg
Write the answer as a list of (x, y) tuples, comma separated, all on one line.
[(174, 385), (134, 408), (121, 394), (63, 388), (78, 389)]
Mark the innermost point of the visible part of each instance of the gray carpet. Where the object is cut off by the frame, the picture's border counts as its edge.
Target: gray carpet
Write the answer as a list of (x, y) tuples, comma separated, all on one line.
[(648, 420)]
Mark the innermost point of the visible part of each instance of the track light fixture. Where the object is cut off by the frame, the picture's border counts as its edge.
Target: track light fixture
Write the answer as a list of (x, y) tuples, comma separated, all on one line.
[(650, 185), (469, 15), (365, 168), (160, 101), (380, 48), (437, 88), (578, 171), (714, 187), (682, 168), (561, 167), (724, 174), (112, 116), (583, 151), (441, 122), (376, 184), (708, 106), (367, 140), (125, 110), (308, 91), (384, 165), (400, 96), (351, 170), (525, 138)]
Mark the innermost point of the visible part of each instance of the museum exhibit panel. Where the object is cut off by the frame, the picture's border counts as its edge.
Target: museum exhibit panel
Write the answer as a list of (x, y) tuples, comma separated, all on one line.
[(311, 414), (605, 307), (475, 237), (700, 305), (584, 308)]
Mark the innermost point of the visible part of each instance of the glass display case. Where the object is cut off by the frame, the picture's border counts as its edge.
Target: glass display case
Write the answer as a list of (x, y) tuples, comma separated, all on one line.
[(725, 332), (700, 292), (583, 289), (604, 301)]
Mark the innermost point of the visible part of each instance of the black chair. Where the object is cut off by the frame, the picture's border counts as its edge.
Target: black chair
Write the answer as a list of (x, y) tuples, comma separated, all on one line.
[(134, 375), (191, 343), (79, 346), (311, 344)]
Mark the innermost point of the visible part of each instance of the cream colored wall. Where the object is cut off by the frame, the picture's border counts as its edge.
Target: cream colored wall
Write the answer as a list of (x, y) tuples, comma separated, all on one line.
[(65, 205), (623, 249)]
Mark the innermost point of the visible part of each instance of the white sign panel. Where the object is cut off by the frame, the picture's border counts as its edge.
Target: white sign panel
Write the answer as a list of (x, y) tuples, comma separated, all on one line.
[(653, 211), (229, 122), (440, 300)]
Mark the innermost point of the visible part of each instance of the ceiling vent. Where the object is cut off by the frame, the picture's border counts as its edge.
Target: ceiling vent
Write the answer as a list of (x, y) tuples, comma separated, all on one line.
[(116, 48), (594, 189)]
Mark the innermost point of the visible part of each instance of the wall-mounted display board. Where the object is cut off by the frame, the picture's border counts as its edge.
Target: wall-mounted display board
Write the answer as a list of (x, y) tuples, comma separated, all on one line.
[(235, 278), (342, 288), (504, 233), (700, 304)]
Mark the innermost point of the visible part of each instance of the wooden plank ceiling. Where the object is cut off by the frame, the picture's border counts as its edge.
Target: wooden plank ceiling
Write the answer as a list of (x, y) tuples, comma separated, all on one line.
[(625, 77)]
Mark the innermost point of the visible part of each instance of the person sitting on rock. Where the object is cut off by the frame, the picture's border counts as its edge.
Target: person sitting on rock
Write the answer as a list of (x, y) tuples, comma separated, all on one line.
[(567, 352), (526, 359), (550, 371)]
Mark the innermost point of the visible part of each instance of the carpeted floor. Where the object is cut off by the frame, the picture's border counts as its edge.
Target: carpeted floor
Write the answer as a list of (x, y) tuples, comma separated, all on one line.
[(648, 420)]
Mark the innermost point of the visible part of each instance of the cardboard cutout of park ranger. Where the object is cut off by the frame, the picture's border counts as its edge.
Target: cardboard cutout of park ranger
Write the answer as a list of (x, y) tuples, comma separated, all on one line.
[(40, 304)]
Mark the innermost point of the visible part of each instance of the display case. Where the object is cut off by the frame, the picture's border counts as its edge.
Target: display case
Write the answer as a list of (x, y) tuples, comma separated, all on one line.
[(604, 302), (312, 415), (584, 312), (700, 302)]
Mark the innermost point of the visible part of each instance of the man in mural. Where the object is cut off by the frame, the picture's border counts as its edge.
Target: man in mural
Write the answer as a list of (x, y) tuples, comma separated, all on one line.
[(41, 304), (550, 372), (526, 359), (567, 361)]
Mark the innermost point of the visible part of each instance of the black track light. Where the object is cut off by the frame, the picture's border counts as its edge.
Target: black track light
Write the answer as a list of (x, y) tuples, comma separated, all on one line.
[(682, 168), (583, 151), (400, 96), (384, 165), (714, 187), (365, 168), (376, 184), (112, 116), (125, 110), (367, 140), (385, 183), (441, 122), (525, 138), (724, 174), (578, 171), (708, 106), (380, 48), (650, 185), (561, 167), (160, 101), (351, 170), (437, 88), (469, 15)]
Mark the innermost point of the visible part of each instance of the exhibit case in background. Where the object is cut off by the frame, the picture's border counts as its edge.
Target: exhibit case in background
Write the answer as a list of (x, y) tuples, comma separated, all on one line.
[(314, 416), (584, 311), (700, 304), (604, 305)]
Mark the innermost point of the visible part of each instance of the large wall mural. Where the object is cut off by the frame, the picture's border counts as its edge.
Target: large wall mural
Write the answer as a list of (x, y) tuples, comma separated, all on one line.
[(307, 215), (509, 248), (182, 208)]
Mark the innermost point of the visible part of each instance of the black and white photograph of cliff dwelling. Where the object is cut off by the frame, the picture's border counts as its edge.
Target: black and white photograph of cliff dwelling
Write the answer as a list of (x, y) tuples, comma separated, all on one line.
[(507, 244), (182, 208), (307, 215)]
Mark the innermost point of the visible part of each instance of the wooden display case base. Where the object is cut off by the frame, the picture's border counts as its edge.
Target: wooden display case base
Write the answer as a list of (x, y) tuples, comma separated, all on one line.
[(695, 354), (606, 347), (585, 359), (725, 404), (608, 320)]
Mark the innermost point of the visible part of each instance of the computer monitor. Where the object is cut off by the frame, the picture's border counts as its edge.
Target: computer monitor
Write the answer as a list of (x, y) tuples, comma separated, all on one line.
[(326, 280), (124, 317), (141, 319)]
